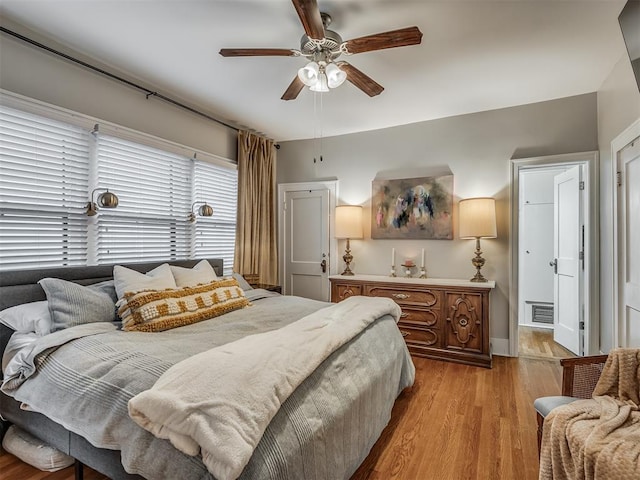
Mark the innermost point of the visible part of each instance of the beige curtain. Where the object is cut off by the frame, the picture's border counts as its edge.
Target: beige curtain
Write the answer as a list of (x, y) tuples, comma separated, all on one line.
[(256, 236)]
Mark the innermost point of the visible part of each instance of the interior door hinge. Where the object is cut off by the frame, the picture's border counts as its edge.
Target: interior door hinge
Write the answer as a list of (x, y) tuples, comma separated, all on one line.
[(581, 325), (582, 185), (619, 178)]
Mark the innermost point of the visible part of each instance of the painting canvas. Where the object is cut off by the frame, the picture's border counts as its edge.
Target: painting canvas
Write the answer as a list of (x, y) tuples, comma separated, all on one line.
[(412, 208)]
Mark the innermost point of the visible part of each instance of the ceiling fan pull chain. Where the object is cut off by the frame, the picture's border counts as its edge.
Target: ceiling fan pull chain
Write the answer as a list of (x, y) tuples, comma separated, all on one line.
[(321, 114)]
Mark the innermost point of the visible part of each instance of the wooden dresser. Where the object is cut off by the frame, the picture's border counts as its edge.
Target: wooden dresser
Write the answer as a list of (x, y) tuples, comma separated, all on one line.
[(445, 319)]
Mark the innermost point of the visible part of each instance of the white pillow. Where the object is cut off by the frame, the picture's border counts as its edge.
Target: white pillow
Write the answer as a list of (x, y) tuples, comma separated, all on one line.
[(202, 272), (127, 280), (28, 317)]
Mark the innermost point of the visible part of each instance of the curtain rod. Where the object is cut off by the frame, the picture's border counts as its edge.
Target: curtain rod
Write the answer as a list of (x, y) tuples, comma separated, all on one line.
[(146, 91)]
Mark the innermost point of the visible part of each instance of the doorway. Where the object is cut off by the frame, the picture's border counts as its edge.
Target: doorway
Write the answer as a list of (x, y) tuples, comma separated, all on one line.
[(305, 236), (549, 276), (625, 153)]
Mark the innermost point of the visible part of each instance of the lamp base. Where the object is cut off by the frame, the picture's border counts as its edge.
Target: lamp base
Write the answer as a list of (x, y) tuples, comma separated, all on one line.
[(478, 278), (478, 262), (348, 258)]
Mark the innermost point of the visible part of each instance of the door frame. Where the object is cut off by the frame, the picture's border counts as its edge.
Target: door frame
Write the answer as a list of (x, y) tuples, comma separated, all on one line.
[(619, 336), (592, 225), (283, 189)]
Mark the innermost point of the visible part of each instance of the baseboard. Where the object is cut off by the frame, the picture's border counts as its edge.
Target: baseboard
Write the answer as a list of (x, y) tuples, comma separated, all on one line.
[(500, 346)]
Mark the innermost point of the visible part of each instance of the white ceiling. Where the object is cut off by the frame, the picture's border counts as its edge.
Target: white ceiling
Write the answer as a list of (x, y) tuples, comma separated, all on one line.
[(475, 55)]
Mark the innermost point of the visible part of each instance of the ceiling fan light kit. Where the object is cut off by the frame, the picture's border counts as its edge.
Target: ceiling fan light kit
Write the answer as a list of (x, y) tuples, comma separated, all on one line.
[(322, 47)]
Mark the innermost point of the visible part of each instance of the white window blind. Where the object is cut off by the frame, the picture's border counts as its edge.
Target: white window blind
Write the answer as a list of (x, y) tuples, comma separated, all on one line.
[(43, 191), (154, 191), (214, 237)]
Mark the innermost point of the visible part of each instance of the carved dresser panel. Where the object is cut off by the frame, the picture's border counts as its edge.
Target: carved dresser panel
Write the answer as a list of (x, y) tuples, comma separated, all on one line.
[(445, 319)]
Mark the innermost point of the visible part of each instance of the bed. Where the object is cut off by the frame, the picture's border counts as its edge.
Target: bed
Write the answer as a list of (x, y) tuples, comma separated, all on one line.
[(323, 429)]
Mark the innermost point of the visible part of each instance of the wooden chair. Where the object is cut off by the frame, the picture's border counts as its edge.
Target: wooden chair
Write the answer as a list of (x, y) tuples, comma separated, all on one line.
[(579, 378)]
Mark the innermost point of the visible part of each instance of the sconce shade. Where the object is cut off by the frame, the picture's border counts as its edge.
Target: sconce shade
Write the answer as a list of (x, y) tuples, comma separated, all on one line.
[(205, 210), (106, 199), (348, 221), (477, 218)]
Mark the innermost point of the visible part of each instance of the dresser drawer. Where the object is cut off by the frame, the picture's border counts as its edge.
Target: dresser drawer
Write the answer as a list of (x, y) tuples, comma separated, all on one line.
[(420, 317), (345, 290), (406, 296), (423, 337)]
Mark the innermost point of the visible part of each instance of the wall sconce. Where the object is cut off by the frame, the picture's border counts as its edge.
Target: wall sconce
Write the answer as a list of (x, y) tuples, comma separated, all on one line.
[(204, 210), (477, 219), (348, 225), (105, 200)]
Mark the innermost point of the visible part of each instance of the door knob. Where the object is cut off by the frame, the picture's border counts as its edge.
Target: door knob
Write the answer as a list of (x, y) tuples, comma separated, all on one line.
[(554, 264), (323, 265)]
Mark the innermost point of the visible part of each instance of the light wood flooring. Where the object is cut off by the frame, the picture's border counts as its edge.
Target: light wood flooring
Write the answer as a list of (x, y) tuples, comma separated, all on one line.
[(457, 422), (538, 343)]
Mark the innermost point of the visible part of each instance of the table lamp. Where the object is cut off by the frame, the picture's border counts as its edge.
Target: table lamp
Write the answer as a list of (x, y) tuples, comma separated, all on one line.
[(348, 225), (477, 219)]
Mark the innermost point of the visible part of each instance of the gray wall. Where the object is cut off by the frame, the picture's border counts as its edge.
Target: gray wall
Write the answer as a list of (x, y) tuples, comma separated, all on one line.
[(36, 74), (618, 107), (476, 148)]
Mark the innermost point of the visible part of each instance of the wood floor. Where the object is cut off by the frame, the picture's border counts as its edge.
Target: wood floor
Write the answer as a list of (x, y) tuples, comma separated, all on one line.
[(457, 422), (538, 343)]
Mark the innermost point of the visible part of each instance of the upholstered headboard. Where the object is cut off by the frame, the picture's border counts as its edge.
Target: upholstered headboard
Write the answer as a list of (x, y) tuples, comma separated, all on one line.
[(21, 286)]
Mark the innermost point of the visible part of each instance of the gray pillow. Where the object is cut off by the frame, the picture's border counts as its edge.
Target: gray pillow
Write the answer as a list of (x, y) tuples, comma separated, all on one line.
[(71, 304), (244, 285)]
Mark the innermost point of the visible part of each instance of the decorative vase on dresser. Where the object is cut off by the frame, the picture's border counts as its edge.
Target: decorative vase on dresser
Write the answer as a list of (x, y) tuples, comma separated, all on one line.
[(444, 319)]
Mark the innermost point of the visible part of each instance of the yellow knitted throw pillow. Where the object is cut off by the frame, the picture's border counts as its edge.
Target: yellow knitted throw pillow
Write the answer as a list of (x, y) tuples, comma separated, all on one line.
[(158, 310)]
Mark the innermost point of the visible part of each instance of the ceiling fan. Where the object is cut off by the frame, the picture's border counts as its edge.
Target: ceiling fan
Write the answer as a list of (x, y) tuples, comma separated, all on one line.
[(323, 47)]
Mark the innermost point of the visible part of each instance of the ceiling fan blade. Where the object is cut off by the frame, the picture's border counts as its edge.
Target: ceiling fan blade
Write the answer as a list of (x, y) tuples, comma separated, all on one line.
[(360, 80), (309, 14), (293, 90), (380, 41), (258, 52)]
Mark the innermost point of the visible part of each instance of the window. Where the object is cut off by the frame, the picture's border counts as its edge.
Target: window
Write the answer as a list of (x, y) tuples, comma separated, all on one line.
[(154, 189), (43, 191), (48, 169), (216, 235)]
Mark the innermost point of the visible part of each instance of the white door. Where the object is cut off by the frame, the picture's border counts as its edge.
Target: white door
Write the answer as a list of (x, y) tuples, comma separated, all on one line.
[(629, 237), (306, 243), (567, 249)]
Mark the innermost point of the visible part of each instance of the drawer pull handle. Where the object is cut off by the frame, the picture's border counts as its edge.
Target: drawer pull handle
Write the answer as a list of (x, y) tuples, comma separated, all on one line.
[(404, 334), (401, 296)]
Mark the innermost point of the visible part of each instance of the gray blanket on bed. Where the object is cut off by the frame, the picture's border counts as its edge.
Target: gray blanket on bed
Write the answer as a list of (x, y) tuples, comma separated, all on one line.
[(323, 431)]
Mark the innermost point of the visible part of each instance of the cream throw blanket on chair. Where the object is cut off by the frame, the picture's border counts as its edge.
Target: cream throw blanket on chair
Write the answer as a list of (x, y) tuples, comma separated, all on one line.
[(599, 438), (220, 402)]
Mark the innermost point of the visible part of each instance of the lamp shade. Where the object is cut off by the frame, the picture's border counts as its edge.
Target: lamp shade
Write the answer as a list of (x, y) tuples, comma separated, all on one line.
[(335, 76), (309, 74), (348, 221), (321, 85), (477, 218)]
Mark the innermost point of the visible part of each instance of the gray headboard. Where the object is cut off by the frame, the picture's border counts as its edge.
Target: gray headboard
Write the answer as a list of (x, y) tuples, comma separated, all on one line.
[(21, 286)]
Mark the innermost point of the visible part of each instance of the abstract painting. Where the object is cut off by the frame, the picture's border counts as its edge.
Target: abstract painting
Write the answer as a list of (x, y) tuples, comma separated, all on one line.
[(412, 208)]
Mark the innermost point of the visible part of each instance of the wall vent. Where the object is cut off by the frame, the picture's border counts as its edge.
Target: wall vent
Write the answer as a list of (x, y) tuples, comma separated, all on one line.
[(542, 313)]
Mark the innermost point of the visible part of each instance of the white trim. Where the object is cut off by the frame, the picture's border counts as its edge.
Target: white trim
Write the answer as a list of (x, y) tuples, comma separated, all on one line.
[(618, 144), (592, 226), (500, 347), (88, 122), (283, 188)]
